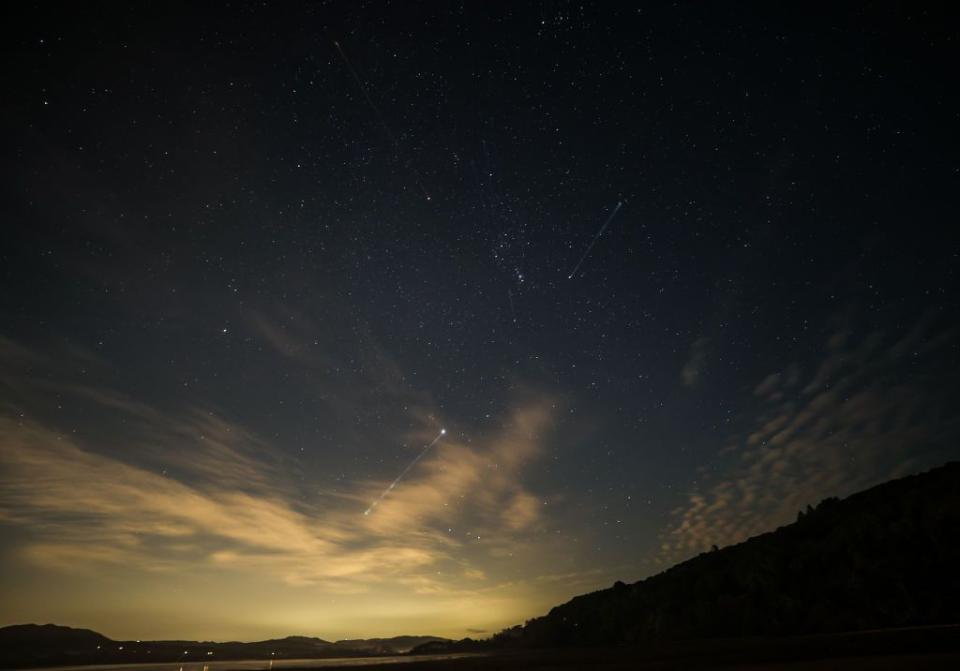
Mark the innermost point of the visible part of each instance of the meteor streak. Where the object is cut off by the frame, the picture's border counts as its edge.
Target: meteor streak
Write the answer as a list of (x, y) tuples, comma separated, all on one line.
[(512, 311), (595, 238), (404, 472), (383, 122)]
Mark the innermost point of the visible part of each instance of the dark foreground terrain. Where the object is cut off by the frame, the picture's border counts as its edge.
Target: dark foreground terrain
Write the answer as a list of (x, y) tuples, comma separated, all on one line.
[(884, 558), (916, 648)]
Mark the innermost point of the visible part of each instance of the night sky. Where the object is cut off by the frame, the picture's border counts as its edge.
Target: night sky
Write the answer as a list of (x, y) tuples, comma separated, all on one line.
[(254, 258)]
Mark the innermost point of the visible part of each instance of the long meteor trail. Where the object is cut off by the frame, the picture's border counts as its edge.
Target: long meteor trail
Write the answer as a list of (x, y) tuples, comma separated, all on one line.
[(413, 463), (381, 118), (594, 241)]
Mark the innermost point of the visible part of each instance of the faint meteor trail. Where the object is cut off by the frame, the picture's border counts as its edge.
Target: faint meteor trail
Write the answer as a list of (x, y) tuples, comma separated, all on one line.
[(413, 463), (380, 118), (595, 238)]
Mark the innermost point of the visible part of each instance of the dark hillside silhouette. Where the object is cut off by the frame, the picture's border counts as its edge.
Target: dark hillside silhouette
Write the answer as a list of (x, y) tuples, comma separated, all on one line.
[(885, 557), (26, 641)]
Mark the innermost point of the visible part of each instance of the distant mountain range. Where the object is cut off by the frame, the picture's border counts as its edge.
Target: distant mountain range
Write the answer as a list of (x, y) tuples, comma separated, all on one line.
[(27, 645), (886, 557)]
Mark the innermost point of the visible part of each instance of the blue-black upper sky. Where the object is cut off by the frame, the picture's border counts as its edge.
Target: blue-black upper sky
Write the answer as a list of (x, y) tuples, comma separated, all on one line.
[(665, 274)]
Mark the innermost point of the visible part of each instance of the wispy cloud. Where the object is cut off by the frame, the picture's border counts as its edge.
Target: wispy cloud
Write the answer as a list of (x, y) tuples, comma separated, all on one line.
[(871, 410), (205, 492)]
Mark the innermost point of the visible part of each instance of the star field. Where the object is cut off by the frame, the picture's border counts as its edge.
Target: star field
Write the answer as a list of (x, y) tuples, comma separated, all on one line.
[(664, 275)]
